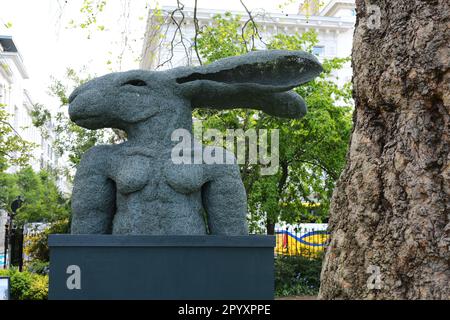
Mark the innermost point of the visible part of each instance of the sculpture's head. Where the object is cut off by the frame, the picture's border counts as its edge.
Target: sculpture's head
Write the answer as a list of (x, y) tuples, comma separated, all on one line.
[(258, 80)]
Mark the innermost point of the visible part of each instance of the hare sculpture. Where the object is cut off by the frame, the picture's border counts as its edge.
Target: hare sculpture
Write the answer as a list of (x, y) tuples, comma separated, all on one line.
[(135, 188)]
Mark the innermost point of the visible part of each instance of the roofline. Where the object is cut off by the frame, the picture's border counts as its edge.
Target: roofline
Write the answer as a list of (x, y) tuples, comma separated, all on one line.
[(17, 59), (28, 96), (274, 18), (333, 4)]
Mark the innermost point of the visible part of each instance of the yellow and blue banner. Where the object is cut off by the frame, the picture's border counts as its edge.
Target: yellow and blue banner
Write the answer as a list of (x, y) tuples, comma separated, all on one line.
[(308, 243)]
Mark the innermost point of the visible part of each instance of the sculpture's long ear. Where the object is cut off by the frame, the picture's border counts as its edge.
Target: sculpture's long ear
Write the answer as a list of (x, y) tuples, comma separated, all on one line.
[(256, 80)]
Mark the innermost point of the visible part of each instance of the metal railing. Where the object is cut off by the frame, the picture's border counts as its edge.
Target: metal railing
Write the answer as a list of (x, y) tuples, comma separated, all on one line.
[(307, 242)]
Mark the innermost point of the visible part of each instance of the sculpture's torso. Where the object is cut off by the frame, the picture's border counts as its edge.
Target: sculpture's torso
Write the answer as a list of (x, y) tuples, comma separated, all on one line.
[(152, 193)]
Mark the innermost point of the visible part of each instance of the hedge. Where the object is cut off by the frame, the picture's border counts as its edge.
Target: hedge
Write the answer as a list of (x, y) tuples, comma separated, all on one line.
[(26, 285), (297, 276)]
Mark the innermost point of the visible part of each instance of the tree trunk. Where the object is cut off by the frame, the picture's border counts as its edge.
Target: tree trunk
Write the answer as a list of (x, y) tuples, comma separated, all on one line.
[(389, 218), (270, 226)]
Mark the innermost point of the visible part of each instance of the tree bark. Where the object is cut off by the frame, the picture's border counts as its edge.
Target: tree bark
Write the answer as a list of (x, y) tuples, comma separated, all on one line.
[(284, 166), (270, 226), (390, 210)]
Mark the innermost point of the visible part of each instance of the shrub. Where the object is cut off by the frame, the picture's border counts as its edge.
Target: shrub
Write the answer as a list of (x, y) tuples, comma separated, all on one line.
[(26, 285), (38, 289), (38, 247), (297, 275), (38, 266)]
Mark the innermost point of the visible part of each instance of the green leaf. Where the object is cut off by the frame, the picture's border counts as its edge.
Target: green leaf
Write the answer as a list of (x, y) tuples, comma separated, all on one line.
[(313, 149)]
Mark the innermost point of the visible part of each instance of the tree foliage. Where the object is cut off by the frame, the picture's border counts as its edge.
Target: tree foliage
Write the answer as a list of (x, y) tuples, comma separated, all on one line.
[(89, 10), (71, 140), (42, 200), (38, 246), (312, 149), (223, 39), (26, 285), (13, 149)]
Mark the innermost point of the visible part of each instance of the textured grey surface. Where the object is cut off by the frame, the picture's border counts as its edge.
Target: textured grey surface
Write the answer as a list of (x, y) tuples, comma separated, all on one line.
[(134, 187)]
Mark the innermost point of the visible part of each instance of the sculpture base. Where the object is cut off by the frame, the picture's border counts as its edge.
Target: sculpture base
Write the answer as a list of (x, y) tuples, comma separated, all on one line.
[(161, 267)]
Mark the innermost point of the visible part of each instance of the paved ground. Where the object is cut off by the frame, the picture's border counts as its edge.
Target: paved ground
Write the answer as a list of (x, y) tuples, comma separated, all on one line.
[(298, 298)]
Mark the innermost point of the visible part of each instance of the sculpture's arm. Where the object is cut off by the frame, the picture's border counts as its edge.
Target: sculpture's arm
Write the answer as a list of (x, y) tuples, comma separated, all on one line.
[(93, 196), (225, 201)]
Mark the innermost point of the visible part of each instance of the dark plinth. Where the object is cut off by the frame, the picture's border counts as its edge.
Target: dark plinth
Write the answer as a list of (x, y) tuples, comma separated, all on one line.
[(163, 267)]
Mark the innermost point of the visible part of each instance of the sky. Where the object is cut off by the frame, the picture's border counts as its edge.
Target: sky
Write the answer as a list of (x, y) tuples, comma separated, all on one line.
[(49, 44)]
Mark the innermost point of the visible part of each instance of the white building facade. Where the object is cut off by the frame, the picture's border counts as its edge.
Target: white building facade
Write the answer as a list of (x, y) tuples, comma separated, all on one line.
[(19, 104), (334, 24)]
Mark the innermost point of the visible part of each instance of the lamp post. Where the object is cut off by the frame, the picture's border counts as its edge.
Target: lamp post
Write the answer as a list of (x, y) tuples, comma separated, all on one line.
[(5, 247), (13, 234)]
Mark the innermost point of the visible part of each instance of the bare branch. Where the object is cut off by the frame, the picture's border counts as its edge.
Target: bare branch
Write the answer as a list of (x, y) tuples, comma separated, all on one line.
[(178, 22), (12, 128), (197, 31), (254, 26), (179, 25), (178, 30)]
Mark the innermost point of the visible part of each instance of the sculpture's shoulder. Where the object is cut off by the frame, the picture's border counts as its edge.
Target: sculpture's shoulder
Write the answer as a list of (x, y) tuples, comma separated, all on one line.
[(220, 162), (98, 157)]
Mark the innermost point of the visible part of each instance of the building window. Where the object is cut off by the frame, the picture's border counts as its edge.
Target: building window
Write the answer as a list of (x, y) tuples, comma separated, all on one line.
[(318, 50), (16, 117)]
